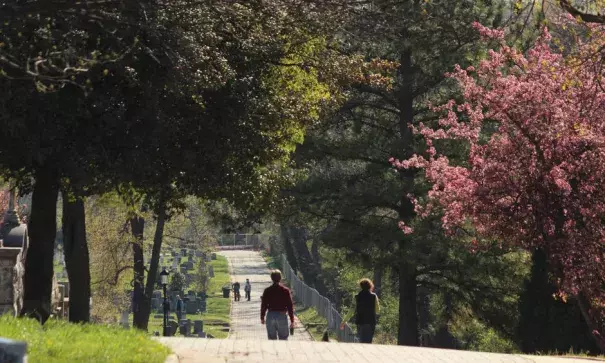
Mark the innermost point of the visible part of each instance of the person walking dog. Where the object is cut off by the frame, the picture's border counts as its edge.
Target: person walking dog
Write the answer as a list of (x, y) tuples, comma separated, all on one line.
[(277, 304)]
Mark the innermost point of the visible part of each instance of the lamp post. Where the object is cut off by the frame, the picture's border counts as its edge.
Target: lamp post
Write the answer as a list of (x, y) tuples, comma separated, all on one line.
[(164, 281)]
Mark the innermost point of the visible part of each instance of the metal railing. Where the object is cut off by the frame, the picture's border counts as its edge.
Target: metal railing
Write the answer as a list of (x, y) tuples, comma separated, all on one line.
[(309, 297)]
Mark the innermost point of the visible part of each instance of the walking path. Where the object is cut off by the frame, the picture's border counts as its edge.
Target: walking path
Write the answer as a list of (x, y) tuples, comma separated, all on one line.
[(245, 315), (266, 351), (248, 338)]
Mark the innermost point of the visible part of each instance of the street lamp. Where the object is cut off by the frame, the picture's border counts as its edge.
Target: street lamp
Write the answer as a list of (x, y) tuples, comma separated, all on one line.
[(164, 281)]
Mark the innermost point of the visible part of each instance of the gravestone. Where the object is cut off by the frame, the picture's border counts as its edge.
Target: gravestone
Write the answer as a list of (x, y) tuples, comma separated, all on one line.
[(157, 294), (201, 305), (211, 271), (12, 351), (207, 258), (189, 265), (191, 253), (124, 320), (213, 256), (191, 307), (172, 327), (198, 326), (13, 249), (185, 327), (183, 252), (199, 254), (156, 303), (183, 269)]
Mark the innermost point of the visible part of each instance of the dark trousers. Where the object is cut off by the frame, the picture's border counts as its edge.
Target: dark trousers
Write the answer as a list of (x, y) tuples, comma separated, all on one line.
[(366, 332), (248, 295)]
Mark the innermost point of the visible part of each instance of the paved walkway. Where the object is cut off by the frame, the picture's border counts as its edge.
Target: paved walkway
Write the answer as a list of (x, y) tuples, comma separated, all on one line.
[(253, 351), (245, 315), (248, 338)]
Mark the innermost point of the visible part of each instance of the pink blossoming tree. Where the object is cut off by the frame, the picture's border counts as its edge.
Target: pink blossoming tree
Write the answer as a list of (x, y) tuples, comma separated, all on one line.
[(535, 176)]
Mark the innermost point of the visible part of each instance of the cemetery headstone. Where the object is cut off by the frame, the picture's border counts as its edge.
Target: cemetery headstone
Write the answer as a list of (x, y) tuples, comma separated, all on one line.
[(198, 326), (213, 256), (184, 327), (201, 305), (211, 271), (189, 265), (124, 321), (199, 254), (172, 327), (156, 303), (191, 307), (12, 351)]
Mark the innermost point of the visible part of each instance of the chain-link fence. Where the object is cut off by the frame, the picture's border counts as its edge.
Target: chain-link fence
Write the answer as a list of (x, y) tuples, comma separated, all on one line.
[(309, 297)]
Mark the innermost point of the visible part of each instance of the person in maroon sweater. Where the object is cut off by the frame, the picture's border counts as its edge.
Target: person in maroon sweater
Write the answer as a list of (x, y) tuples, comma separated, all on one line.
[(277, 303)]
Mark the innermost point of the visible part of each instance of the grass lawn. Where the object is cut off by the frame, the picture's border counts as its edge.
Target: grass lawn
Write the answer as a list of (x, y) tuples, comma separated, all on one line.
[(217, 307), (315, 324), (60, 341)]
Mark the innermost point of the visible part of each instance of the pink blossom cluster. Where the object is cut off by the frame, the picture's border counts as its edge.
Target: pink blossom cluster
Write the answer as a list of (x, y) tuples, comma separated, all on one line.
[(537, 178)]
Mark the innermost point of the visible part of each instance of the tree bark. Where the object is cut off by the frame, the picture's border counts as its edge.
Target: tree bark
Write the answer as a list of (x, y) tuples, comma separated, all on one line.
[(592, 323), (137, 225), (145, 305), (408, 313), (378, 272), (290, 256), (309, 269), (42, 231), (77, 260)]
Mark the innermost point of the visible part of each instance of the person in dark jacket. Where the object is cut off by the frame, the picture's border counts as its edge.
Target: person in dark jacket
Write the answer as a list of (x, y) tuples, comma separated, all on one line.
[(277, 303), (367, 306), (179, 307)]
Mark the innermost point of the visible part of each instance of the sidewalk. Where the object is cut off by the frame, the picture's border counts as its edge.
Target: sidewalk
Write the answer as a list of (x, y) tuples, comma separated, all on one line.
[(191, 350), (245, 315)]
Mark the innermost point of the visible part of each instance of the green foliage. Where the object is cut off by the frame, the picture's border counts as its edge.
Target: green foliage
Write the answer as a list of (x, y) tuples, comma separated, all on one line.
[(177, 282), (59, 341)]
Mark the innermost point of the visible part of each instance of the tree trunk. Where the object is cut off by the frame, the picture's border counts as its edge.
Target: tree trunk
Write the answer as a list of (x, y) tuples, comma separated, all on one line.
[(310, 271), (42, 231), (290, 256), (592, 323), (76, 259), (315, 252), (378, 272), (408, 313), (137, 225), (145, 304)]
